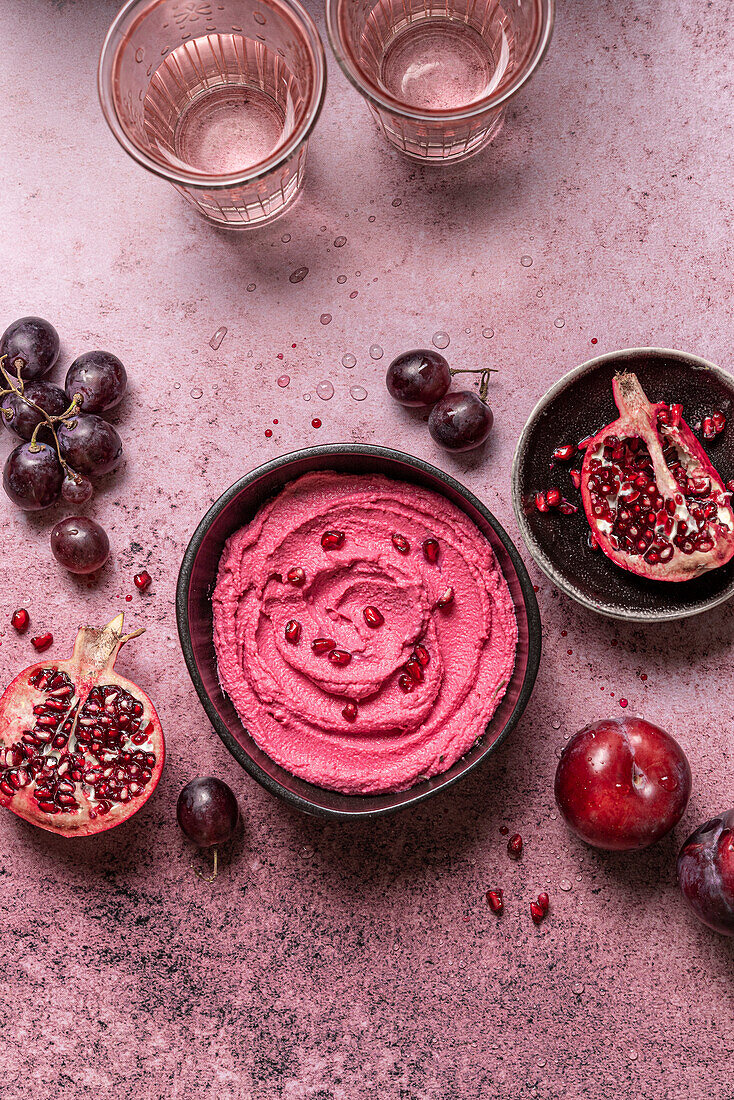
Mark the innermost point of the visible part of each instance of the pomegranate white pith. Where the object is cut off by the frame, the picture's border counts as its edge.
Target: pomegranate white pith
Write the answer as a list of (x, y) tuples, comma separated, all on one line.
[(82, 747), (655, 503)]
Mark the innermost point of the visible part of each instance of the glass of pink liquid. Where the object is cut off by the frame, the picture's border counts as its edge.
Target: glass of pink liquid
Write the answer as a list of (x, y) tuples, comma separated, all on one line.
[(437, 74), (218, 97)]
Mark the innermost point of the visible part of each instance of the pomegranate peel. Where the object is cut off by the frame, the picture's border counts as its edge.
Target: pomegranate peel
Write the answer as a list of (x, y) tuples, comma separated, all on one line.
[(82, 747), (655, 503)]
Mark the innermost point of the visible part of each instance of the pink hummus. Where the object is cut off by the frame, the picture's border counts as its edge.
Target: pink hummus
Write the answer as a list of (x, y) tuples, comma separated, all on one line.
[(291, 700)]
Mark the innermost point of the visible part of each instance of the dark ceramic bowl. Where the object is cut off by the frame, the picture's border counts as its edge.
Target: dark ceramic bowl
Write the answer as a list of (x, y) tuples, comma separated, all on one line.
[(578, 406), (194, 613)]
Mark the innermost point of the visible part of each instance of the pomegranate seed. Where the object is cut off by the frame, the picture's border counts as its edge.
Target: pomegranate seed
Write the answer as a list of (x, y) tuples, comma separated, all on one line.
[(414, 669), (292, 631), (431, 550), (446, 598), (708, 429), (514, 846), (719, 421), (332, 540), (401, 544), (323, 645), (591, 541), (350, 712), (373, 617), (406, 684), (297, 576), (553, 498), (566, 508), (541, 503), (564, 453), (340, 657), (536, 912), (575, 476), (495, 901), (20, 620), (543, 902), (42, 641), (143, 580), (422, 654)]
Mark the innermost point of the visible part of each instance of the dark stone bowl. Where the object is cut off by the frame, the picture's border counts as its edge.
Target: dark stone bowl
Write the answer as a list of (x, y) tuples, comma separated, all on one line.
[(578, 406)]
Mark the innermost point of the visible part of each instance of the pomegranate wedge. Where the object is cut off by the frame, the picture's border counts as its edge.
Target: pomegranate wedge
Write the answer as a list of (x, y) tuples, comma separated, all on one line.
[(655, 504), (81, 747)]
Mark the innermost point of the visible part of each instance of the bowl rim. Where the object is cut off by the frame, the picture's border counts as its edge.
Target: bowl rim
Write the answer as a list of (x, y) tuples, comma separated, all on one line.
[(421, 791), (541, 560)]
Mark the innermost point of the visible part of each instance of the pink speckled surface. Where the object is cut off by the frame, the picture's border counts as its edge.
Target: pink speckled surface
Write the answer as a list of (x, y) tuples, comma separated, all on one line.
[(339, 965)]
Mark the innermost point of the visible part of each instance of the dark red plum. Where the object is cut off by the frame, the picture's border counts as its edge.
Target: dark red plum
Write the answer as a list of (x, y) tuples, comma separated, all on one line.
[(706, 873), (34, 342), (418, 377), (622, 783)]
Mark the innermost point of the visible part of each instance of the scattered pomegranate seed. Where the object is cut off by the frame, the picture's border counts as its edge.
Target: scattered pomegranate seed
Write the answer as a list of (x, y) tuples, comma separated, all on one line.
[(544, 902), (553, 497), (495, 901), (323, 645), (541, 503), (373, 617), (623, 703), (566, 508), (268, 433), (564, 453), (708, 429), (446, 598), (406, 684), (340, 657), (20, 620), (316, 423), (594, 340), (292, 631), (591, 541), (401, 544), (514, 846), (422, 654), (350, 712), (414, 669), (719, 421), (42, 641), (142, 580), (332, 540), (431, 550), (575, 476), (536, 912), (297, 576), (504, 830)]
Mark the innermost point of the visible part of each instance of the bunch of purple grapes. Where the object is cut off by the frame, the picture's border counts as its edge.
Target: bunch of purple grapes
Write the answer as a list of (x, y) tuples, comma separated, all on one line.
[(66, 440)]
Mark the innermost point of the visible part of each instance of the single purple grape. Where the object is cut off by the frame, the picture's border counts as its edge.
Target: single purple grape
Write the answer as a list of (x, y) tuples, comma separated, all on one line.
[(207, 811), (32, 476), (76, 489), (32, 340), (100, 378), (80, 544), (89, 444), (460, 421), (21, 417), (418, 377)]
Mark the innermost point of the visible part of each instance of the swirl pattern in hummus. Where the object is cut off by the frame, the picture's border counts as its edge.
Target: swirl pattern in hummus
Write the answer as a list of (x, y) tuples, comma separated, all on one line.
[(291, 700)]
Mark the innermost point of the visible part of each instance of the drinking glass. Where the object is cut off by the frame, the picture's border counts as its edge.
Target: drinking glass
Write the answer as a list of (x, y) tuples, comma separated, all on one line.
[(218, 98), (437, 74)]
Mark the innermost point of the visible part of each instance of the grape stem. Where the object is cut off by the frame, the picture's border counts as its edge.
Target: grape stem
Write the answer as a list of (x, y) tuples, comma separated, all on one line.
[(485, 373), (213, 875), (17, 387)]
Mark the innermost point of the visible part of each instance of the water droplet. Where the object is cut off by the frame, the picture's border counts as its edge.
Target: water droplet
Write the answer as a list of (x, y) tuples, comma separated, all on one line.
[(559, 322), (397, 202), (526, 261), (285, 238), (354, 294), (216, 341), (538, 293), (668, 782), (376, 352), (341, 279), (487, 333), (564, 884), (554, 817), (633, 1056), (542, 1062), (325, 390), (579, 878), (358, 274), (284, 380), (139, 54), (579, 988), (177, 385), (358, 393), (307, 397), (371, 218), (251, 287), (325, 318), (298, 275), (556, 724), (196, 394), (339, 242), (349, 360), (440, 339)]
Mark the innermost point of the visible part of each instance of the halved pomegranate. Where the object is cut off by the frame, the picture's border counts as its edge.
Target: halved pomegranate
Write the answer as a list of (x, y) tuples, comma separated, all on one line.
[(656, 505), (82, 747)]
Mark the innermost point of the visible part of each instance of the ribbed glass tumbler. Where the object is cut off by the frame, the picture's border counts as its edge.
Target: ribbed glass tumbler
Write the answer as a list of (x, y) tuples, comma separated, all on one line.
[(217, 98), (437, 74)]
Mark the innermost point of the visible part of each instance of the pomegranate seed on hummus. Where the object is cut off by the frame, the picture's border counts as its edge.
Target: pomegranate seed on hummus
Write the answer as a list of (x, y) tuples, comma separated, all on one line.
[(352, 724)]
